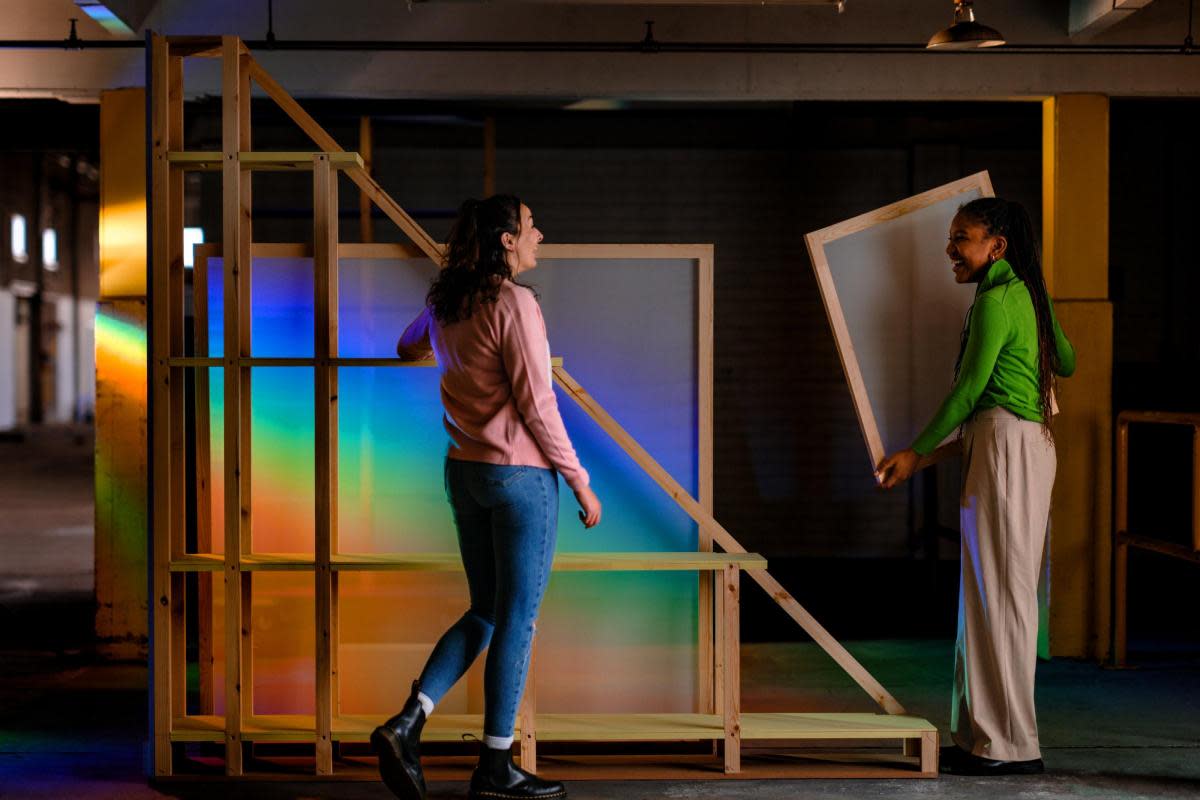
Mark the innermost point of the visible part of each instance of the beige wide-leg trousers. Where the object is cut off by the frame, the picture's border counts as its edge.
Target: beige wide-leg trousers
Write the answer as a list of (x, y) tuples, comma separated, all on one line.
[(1008, 474)]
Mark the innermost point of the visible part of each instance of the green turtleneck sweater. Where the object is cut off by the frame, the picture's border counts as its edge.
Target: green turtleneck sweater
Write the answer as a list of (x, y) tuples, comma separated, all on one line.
[(1000, 365)]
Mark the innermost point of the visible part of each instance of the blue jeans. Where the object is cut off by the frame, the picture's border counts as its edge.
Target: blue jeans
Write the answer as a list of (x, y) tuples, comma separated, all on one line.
[(506, 518)]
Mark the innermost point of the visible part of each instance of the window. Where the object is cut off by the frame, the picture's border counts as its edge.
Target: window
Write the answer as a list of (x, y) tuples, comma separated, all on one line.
[(191, 237), (20, 251), (50, 249)]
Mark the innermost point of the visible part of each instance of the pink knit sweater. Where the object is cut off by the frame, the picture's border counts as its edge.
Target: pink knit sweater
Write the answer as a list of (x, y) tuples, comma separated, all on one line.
[(497, 388)]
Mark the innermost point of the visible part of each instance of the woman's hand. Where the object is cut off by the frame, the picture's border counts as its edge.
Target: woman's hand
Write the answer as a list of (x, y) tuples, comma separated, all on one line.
[(589, 505), (897, 468)]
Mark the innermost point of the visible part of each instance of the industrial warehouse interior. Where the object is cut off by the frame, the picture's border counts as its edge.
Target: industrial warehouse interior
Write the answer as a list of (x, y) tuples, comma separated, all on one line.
[(218, 218)]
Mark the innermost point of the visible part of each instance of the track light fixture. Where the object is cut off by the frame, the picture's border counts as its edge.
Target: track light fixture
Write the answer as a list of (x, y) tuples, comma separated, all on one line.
[(965, 33)]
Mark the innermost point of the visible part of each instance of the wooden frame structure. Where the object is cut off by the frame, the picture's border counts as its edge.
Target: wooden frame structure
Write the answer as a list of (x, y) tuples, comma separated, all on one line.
[(817, 242), (240, 726), (1123, 540)]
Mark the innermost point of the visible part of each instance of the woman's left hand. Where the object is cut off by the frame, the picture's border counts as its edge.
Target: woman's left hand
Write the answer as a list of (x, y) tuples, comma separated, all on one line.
[(897, 468)]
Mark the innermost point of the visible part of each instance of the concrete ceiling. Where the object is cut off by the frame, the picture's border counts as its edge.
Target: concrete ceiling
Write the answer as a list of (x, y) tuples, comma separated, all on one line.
[(81, 75)]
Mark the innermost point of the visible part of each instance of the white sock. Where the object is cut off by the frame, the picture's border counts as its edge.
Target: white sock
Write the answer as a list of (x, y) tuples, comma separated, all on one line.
[(426, 703), (498, 742)]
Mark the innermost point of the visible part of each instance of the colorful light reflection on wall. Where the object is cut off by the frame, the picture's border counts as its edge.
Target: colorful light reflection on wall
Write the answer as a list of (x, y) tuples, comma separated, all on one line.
[(607, 641)]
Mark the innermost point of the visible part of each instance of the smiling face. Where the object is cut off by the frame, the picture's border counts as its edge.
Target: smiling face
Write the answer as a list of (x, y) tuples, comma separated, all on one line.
[(972, 249), (522, 248)]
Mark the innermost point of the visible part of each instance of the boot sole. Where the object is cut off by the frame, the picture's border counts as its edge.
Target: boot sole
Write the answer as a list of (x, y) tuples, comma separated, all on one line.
[(473, 795), (391, 766)]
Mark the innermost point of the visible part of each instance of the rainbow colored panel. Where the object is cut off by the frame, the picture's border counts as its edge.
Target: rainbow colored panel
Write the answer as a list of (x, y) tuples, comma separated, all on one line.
[(626, 330)]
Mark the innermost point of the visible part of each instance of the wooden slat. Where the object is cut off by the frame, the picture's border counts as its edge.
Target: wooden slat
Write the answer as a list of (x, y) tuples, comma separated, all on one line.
[(236, 444), (366, 147), (244, 277), (929, 753), (767, 727), (175, 470), (707, 629), (203, 486), (526, 722), (325, 250), (731, 700), (723, 538), (161, 599), (261, 160), (452, 562), (365, 182), (1155, 545), (563, 562)]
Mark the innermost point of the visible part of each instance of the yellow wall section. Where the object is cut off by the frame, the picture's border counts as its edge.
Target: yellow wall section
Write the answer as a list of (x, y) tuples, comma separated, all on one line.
[(1075, 252), (123, 193), (121, 363)]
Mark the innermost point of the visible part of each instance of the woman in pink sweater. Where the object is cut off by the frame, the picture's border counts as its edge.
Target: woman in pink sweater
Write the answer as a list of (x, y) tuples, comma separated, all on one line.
[(507, 448)]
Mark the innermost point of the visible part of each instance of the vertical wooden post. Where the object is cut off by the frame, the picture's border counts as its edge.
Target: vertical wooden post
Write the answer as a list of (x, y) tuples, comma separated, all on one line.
[(731, 701), (203, 455), (929, 752), (176, 466), (366, 146), (1121, 549), (527, 713), (489, 156), (325, 267), (160, 396), (235, 185), (707, 687)]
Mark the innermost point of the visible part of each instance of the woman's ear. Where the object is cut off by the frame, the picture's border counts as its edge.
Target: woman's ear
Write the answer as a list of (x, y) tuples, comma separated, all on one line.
[(508, 241), (999, 248)]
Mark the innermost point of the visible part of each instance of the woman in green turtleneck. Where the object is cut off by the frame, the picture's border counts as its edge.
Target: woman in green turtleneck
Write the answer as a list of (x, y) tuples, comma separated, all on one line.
[(1003, 396)]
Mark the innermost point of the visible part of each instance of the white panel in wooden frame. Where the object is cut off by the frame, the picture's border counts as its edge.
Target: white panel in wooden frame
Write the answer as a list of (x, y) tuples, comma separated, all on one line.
[(896, 311)]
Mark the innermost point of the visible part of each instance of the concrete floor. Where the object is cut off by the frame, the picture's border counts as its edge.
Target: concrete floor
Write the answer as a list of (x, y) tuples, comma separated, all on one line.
[(71, 726)]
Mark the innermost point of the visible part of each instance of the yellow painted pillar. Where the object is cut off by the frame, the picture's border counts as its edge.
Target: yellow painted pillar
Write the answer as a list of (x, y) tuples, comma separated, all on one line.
[(121, 362), (1075, 253)]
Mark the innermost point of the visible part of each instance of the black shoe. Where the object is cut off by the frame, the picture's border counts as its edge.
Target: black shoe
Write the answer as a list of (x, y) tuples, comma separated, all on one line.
[(497, 778), (956, 761), (397, 742)]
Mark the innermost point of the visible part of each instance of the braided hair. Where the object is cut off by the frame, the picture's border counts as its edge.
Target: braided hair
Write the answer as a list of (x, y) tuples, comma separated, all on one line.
[(475, 263), (1011, 220)]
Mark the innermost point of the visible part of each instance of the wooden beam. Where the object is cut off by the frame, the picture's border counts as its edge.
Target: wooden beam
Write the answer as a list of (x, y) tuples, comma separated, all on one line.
[(235, 240), (723, 538), (203, 486), (325, 236), (732, 683), (366, 147), (364, 181), (161, 599), (261, 160)]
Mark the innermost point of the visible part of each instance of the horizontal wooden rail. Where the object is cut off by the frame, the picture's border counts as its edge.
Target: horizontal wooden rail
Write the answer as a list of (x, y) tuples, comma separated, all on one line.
[(261, 160), (575, 727), (452, 562)]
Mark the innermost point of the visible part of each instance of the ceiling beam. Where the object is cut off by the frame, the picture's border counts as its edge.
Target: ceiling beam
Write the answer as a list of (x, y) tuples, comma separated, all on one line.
[(1090, 17)]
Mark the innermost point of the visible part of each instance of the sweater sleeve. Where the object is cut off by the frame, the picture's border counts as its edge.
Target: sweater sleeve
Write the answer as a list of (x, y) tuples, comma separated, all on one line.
[(526, 354), (1066, 351), (414, 342), (986, 335)]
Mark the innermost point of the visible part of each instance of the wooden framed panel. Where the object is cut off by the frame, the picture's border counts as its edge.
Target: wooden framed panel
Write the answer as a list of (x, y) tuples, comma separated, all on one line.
[(896, 311)]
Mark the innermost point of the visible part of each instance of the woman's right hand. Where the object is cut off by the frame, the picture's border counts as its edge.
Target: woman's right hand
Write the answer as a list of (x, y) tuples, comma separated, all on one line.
[(589, 505)]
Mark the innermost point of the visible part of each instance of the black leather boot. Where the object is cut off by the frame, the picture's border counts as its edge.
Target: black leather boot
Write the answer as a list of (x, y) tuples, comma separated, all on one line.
[(397, 742), (497, 778)]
